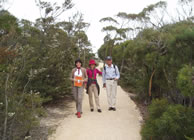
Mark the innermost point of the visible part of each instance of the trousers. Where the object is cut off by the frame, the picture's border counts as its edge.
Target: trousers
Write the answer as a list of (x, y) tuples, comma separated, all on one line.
[(111, 89), (78, 96), (93, 91)]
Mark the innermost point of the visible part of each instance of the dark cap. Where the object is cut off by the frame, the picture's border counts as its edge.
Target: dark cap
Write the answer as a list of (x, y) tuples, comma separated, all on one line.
[(108, 58)]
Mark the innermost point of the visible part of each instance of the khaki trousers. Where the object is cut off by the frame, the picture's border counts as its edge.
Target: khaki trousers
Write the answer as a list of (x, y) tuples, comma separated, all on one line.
[(111, 89), (78, 96), (93, 91)]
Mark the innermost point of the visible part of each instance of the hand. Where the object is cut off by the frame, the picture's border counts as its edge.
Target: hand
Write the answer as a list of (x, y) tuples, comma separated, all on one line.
[(116, 79), (104, 85)]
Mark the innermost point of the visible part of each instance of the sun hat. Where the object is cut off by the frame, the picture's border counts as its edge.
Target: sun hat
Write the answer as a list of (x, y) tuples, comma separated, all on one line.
[(92, 62)]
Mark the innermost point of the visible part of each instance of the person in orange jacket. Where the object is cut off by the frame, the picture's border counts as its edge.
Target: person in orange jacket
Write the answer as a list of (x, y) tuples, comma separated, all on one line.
[(78, 78)]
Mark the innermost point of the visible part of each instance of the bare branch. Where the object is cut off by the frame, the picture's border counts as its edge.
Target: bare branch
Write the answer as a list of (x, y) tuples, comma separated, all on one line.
[(109, 19)]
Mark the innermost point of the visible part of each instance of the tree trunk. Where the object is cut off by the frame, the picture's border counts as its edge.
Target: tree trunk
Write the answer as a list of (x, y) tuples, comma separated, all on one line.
[(122, 65), (190, 101), (84, 57), (150, 83), (110, 53), (111, 47), (6, 110), (123, 58)]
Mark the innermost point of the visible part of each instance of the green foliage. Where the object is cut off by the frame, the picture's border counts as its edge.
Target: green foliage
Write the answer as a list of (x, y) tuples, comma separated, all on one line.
[(7, 22), (36, 60), (23, 113), (187, 138), (157, 108), (164, 50), (157, 62), (184, 81), (167, 122)]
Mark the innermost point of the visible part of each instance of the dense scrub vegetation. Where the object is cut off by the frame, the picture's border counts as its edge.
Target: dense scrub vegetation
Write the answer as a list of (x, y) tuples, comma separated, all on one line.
[(156, 59), (35, 62), (168, 122)]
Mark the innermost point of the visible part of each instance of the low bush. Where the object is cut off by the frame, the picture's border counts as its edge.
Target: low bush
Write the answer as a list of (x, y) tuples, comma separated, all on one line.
[(168, 122)]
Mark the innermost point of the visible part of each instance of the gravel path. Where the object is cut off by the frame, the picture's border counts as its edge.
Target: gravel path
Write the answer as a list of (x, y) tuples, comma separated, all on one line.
[(124, 124)]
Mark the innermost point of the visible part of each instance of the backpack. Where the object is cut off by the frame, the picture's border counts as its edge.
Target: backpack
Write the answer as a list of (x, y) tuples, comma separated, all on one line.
[(114, 68)]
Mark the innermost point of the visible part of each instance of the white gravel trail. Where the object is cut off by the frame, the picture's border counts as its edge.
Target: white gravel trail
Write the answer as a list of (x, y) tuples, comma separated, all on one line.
[(123, 124)]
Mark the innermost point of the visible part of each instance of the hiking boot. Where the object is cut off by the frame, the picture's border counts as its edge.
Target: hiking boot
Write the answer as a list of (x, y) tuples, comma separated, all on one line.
[(99, 110), (78, 114), (110, 108), (113, 108)]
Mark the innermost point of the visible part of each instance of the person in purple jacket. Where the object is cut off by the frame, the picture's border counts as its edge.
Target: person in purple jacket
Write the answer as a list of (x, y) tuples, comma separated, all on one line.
[(92, 86)]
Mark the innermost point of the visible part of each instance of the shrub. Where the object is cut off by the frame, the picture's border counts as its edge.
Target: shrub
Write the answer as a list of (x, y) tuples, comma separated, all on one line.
[(185, 83), (22, 115), (168, 122)]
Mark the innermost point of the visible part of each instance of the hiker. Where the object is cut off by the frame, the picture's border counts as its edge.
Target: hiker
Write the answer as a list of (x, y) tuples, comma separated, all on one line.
[(92, 86), (78, 78), (110, 78)]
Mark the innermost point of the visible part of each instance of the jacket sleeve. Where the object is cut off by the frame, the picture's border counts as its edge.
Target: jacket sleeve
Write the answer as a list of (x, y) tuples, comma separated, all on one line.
[(86, 76), (99, 72)]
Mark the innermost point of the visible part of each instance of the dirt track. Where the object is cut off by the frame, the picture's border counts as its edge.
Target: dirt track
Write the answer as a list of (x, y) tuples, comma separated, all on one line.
[(124, 124)]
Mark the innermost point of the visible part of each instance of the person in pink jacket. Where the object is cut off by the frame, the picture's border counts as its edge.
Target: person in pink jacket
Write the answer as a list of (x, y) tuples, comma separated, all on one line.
[(92, 86)]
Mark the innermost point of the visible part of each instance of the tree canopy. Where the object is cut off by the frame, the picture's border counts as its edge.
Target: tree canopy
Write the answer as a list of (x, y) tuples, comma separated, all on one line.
[(155, 58), (36, 59)]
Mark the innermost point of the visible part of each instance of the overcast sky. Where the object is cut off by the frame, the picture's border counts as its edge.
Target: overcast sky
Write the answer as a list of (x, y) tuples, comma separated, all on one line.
[(93, 11)]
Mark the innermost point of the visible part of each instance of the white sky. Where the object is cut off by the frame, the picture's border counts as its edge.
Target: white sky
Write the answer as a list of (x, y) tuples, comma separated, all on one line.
[(93, 11)]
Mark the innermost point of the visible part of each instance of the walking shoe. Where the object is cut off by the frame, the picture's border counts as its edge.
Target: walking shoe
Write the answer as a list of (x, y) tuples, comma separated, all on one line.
[(110, 108), (99, 110), (113, 108), (91, 110), (78, 114)]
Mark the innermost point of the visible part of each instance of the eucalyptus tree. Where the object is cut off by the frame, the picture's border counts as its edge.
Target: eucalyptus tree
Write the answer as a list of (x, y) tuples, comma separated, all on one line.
[(130, 25), (115, 32), (35, 62), (153, 31), (14, 98), (185, 82), (76, 27), (159, 64)]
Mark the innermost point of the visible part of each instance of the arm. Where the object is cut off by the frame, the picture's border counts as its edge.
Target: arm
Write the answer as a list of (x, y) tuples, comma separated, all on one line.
[(99, 72), (103, 76), (117, 72), (86, 76)]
